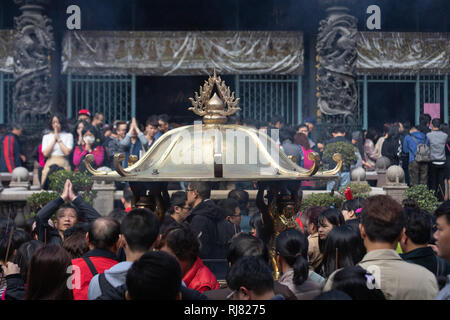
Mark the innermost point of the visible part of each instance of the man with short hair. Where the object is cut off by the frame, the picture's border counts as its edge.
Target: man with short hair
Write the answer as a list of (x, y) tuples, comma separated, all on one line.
[(139, 230), (114, 144), (163, 123), (243, 245), (103, 242), (67, 215), (438, 140), (179, 210), (382, 224), (10, 157), (204, 217), (303, 128), (127, 198), (242, 197), (97, 124), (151, 132), (133, 141), (414, 243), (155, 276), (442, 236), (251, 279), (277, 122), (418, 171)]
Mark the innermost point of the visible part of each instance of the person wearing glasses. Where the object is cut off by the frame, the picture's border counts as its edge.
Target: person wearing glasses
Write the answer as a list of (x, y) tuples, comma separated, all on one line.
[(163, 123), (178, 211), (230, 224)]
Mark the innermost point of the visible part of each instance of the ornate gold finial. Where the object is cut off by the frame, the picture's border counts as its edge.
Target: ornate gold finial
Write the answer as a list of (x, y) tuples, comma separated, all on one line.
[(213, 109)]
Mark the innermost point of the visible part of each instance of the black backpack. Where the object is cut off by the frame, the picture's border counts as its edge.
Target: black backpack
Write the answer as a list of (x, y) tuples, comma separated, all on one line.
[(108, 291)]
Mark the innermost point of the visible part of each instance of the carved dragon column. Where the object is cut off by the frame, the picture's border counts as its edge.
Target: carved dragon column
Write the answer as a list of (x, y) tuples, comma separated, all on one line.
[(33, 47), (336, 63)]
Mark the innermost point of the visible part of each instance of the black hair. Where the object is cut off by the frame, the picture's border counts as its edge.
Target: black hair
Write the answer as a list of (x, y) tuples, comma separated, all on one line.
[(372, 134), (333, 295), (443, 209), (276, 119), (292, 246), (127, 194), (178, 199), (356, 282), (410, 203), (252, 273), (203, 189), (92, 130), (140, 229), (228, 207), (152, 121), (436, 122), (338, 129), (244, 244), (241, 196), (104, 232), (79, 227), (155, 276), (286, 133), (62, 121), (353, 205), (17, 126), (256, 222), (164, 117), (333, 215), (118, 214), (344, 243), (418, 225), (182, 241), (24, 254), (18, 237)]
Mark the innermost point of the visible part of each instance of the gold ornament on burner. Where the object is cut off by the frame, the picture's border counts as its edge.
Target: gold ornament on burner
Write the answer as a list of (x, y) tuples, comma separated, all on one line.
[(216, 109)]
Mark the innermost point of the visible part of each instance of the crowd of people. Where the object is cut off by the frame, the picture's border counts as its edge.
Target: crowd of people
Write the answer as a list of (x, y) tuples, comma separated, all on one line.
[(372, 249), (368, 249)]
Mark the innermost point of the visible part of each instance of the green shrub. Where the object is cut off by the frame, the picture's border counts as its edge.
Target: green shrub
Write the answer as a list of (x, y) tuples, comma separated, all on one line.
[(322, 199), (347, 151), (424, 197), (38, 200), (359, 190), (82, 183)]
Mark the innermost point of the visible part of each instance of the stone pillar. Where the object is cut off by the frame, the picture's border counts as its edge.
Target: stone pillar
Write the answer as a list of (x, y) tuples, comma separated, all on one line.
[(104, 200), (395, 186), (336, 62), (381, 167), (33, 47), (358, 175)]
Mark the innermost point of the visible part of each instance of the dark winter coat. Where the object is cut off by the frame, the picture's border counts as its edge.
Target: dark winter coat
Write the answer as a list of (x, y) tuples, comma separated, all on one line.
[(203, 220)]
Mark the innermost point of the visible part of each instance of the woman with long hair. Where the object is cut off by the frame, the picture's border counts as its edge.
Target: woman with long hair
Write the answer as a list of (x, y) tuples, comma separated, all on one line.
[(312, 227), (343, 248), (89, 146), (292, 259), (370, 157), (56, 145), (47, 274), (392, 146)]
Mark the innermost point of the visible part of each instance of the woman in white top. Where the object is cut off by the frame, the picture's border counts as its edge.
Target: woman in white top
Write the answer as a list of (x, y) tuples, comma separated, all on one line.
[(56, 145)]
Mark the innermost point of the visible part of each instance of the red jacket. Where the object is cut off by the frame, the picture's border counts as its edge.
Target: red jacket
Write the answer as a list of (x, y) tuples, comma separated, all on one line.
[(200, 278), (101, 259)]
